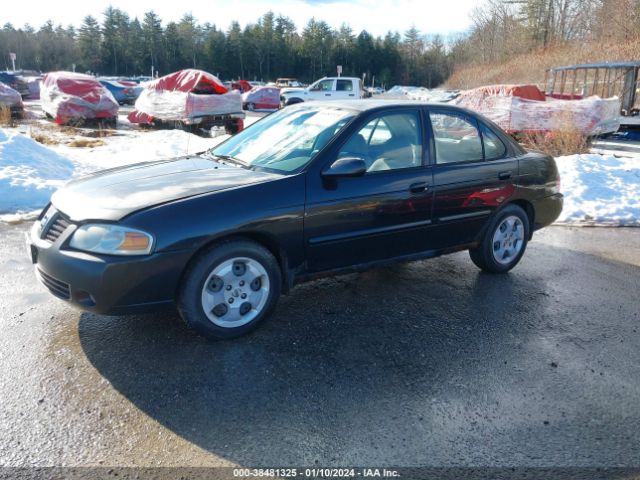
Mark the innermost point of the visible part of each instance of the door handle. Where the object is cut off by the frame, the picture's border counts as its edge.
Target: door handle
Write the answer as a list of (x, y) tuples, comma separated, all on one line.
[(418, 187), (327, 94), (504, 175), (352, 94)]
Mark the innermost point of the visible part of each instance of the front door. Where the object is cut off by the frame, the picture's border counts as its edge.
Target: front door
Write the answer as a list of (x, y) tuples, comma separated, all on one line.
[(382, 214), (322, 90)]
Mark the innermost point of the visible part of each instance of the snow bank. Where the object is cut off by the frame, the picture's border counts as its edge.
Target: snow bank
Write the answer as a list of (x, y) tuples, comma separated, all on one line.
[(29, 172), (600, 190), (134, 147), (399, 92)]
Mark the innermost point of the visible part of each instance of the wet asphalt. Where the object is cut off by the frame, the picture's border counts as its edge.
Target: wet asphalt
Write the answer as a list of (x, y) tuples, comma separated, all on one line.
[(430, 363)]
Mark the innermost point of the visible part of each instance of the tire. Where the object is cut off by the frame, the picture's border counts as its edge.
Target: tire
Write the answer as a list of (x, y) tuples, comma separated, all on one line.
[(231, 127), (504, 241), (251, 106), (211, 297)]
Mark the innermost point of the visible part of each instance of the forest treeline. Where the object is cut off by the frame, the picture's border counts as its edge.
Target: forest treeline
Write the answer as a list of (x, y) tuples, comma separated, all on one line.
[(269, 48), (273, 46)]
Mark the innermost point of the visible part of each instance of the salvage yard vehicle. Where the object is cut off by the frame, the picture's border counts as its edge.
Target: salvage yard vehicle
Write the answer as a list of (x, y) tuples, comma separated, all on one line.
[(70, 97), (313, 189), (124, 93), (15, 81), (525, 109), (287, 82), (12, 100), (189, 99), (327, 88), (261, 98)]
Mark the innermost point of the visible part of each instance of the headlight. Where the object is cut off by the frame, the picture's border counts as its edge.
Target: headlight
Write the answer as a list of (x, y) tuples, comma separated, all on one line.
[(112, 240)]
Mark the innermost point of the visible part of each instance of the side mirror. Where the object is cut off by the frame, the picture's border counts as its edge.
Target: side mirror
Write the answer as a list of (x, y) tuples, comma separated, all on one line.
[(346, 167)]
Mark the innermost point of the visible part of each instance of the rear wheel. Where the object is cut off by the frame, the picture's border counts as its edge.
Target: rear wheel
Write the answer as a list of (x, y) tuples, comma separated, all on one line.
[(251, 106), (503, 242), (231, 127), (230, 289)]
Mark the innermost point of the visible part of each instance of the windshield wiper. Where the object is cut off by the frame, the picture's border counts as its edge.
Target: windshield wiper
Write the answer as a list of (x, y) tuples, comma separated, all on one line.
[(229, 159)]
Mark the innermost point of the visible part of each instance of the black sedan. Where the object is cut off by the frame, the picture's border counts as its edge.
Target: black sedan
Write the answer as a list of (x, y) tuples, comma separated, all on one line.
[(311, 190)]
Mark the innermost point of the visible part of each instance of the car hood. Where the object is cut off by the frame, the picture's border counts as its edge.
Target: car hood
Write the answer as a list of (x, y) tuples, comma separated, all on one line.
[(116, 193)]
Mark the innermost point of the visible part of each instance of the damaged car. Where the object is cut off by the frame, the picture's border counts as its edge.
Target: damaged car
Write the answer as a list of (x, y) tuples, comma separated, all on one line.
[(189, 99), (11, 100), (261, 98), (76, 98)]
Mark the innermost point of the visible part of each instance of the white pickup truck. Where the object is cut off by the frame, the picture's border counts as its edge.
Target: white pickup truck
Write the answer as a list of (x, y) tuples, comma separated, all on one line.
[(327, 88)]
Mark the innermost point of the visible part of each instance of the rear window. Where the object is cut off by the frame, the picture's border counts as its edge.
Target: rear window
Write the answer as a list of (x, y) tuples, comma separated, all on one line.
[(457, 138), (344, 86), (493, 146)]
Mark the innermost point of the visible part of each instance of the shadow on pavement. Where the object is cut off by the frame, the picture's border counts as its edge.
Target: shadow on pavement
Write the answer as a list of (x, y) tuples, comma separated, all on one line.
[(340, 374)]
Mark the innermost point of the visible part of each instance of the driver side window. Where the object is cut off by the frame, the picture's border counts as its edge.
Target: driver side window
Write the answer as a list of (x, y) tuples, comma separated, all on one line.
[(387, 142)]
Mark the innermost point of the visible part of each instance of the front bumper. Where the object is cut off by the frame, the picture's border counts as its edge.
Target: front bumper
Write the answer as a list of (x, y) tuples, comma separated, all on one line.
[(105, 284)]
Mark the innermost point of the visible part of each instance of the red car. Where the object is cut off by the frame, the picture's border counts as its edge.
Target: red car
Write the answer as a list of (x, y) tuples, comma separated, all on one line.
[(261, 98), (69, 97)]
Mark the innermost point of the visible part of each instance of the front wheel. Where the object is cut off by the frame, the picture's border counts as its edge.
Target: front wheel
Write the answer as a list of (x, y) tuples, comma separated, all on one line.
[(229, 289), (503, 242)]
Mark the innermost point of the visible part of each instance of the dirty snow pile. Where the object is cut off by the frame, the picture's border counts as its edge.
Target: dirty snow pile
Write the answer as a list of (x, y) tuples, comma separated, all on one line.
[(134, 147), (422, 94), (601, 190), (29, 172)]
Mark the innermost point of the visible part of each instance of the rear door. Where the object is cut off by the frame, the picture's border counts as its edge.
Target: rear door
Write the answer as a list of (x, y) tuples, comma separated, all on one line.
[(345, 90), (473, 176)]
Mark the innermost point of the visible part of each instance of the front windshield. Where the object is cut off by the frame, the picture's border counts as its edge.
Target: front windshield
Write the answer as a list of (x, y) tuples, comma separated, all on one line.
[(286, 140)]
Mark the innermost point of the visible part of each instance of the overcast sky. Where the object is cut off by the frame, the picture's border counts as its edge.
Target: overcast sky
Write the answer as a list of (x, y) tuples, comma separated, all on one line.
[(375, 16)]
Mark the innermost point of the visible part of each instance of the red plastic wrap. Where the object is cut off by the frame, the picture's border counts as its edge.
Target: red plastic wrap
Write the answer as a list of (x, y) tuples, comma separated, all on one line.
[(529, 92), (241, 85), (188, 81), (524, 108), (70, 96)]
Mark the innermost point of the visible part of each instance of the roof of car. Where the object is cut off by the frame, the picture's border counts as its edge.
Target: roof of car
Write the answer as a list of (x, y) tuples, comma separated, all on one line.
[(370, 104)]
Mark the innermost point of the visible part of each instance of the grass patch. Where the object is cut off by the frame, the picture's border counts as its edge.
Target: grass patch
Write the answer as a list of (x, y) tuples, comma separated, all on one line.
[(85, 132), (43, 138), (86, 143), (530, 67), (558, 143), (6, 120)]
